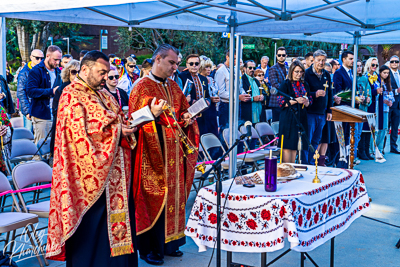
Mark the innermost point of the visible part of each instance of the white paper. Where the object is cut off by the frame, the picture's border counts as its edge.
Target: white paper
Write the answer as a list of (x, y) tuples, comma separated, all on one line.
[(199, 106), (142, 115), (188, 85)]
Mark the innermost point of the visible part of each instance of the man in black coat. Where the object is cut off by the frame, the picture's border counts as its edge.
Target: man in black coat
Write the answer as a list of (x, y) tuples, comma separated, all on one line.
[(246, 111), (319, 112), (394, 111), (199, 88)]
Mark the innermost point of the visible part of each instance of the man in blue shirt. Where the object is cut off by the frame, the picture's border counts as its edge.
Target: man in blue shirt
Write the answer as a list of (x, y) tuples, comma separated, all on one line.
[(43, 81)]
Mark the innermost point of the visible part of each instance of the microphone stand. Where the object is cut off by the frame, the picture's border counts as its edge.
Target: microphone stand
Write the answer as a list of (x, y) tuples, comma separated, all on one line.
[(218, 187)]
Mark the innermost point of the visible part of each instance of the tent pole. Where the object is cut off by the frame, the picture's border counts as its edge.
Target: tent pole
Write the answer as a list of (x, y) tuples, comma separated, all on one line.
[(354, 89), (232, 130), (3, 50), (237, 87)]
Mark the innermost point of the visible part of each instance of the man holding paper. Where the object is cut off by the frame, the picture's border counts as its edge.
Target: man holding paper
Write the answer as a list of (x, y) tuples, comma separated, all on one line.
[(199, 88), (164, 159)]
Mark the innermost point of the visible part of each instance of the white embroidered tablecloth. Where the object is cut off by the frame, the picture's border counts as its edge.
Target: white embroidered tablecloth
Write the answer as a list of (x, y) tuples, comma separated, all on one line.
[(306, 214)]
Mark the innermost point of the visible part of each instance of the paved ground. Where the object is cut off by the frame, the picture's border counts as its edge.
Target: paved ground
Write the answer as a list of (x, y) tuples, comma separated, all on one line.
[(364, 243)]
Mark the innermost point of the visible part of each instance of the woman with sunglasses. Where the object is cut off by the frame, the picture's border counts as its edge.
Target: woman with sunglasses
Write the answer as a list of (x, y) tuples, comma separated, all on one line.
[(260, 76), (129, 76), (298, 89), (68, 74), (111, 85), (371, 72), (363, 134)]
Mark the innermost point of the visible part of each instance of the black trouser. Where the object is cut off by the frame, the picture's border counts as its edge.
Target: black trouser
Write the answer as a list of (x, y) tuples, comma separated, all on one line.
[(394, 120)]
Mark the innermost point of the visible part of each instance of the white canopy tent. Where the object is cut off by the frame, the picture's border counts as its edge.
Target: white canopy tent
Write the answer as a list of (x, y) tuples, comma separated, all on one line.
[(319, 19)]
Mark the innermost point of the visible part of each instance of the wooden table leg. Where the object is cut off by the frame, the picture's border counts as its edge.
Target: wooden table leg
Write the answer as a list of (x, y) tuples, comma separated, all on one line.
[(352, 142)]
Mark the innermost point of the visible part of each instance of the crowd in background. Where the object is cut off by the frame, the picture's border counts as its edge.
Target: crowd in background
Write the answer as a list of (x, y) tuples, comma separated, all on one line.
[(311, 81)]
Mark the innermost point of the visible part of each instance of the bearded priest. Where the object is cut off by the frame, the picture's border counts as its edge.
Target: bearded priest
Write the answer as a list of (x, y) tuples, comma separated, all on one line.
[(164, 159), (92, 215)]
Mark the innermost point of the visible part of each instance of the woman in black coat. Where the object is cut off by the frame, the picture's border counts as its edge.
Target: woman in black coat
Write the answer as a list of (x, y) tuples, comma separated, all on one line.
[(294, 86)]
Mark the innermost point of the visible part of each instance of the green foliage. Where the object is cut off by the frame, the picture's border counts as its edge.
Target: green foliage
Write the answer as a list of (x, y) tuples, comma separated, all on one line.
[(141, 58), (41, 30)]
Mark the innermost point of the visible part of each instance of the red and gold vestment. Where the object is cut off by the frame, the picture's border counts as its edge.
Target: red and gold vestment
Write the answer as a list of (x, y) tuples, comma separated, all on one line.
[(165, 174), (88, 160)]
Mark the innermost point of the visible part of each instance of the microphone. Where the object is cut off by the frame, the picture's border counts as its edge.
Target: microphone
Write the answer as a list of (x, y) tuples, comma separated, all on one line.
[(275, 91), (248, 125)]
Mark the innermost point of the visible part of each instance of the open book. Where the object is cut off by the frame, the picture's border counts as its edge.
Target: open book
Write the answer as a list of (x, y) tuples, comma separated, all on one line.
[(198, 107), (141, 117)]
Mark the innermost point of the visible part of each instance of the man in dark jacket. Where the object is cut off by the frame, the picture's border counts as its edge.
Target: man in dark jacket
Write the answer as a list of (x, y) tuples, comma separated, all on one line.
[(43, 81), (319, 81), (394, 111), (25, 103), (342, 81), (199, 88), (251, 110), (277, 74)]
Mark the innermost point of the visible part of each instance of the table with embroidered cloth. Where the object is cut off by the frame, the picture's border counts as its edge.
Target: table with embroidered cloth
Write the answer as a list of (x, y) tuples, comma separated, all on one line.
[(304, 213)]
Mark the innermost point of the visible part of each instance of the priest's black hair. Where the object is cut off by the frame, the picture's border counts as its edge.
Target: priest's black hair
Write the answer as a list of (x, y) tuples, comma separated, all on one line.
[(91, 57)]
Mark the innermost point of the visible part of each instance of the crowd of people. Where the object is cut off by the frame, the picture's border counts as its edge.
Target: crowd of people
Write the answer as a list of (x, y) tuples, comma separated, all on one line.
[(83, 105), (377, 92)]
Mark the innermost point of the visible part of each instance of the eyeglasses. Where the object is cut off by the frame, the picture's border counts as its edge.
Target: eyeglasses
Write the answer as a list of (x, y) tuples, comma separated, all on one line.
[(38, 58), (194, 63), (260, 75), (394, 61), (112, 77), (251, 68), (374, 65), (298, 72), (281, 55), (131, 66), (73, 72)]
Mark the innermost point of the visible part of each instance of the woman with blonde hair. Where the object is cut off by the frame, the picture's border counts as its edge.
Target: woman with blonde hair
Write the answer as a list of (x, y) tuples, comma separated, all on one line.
[(129, 76), (146, 69), (205, 69), (68, 74)]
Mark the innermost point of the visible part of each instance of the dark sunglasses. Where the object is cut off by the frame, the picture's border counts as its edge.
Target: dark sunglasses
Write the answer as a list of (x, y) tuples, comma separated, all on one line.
[(251, 68), (394, 61), (281, 55), (38, 58), (112, 77), (374, 65), (194, 63), (131, 66), (260, 75), (73, 72)]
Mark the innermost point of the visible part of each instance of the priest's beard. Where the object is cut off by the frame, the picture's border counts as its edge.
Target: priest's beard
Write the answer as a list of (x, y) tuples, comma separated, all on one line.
[(95, 83)]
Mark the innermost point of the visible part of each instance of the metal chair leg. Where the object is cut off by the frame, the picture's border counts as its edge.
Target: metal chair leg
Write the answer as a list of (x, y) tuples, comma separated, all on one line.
[(33, 247), (40, 245)]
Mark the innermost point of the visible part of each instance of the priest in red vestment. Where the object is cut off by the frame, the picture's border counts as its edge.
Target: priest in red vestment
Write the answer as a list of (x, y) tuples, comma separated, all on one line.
[(164, 160), (92, 217)]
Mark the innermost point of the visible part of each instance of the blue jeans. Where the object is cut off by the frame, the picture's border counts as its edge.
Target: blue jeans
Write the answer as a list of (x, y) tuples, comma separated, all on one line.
[(316, 123), (28, 124), (357, 136)]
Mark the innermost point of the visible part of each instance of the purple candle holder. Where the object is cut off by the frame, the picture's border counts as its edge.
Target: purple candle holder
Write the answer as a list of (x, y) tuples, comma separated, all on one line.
[(271, 174)]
